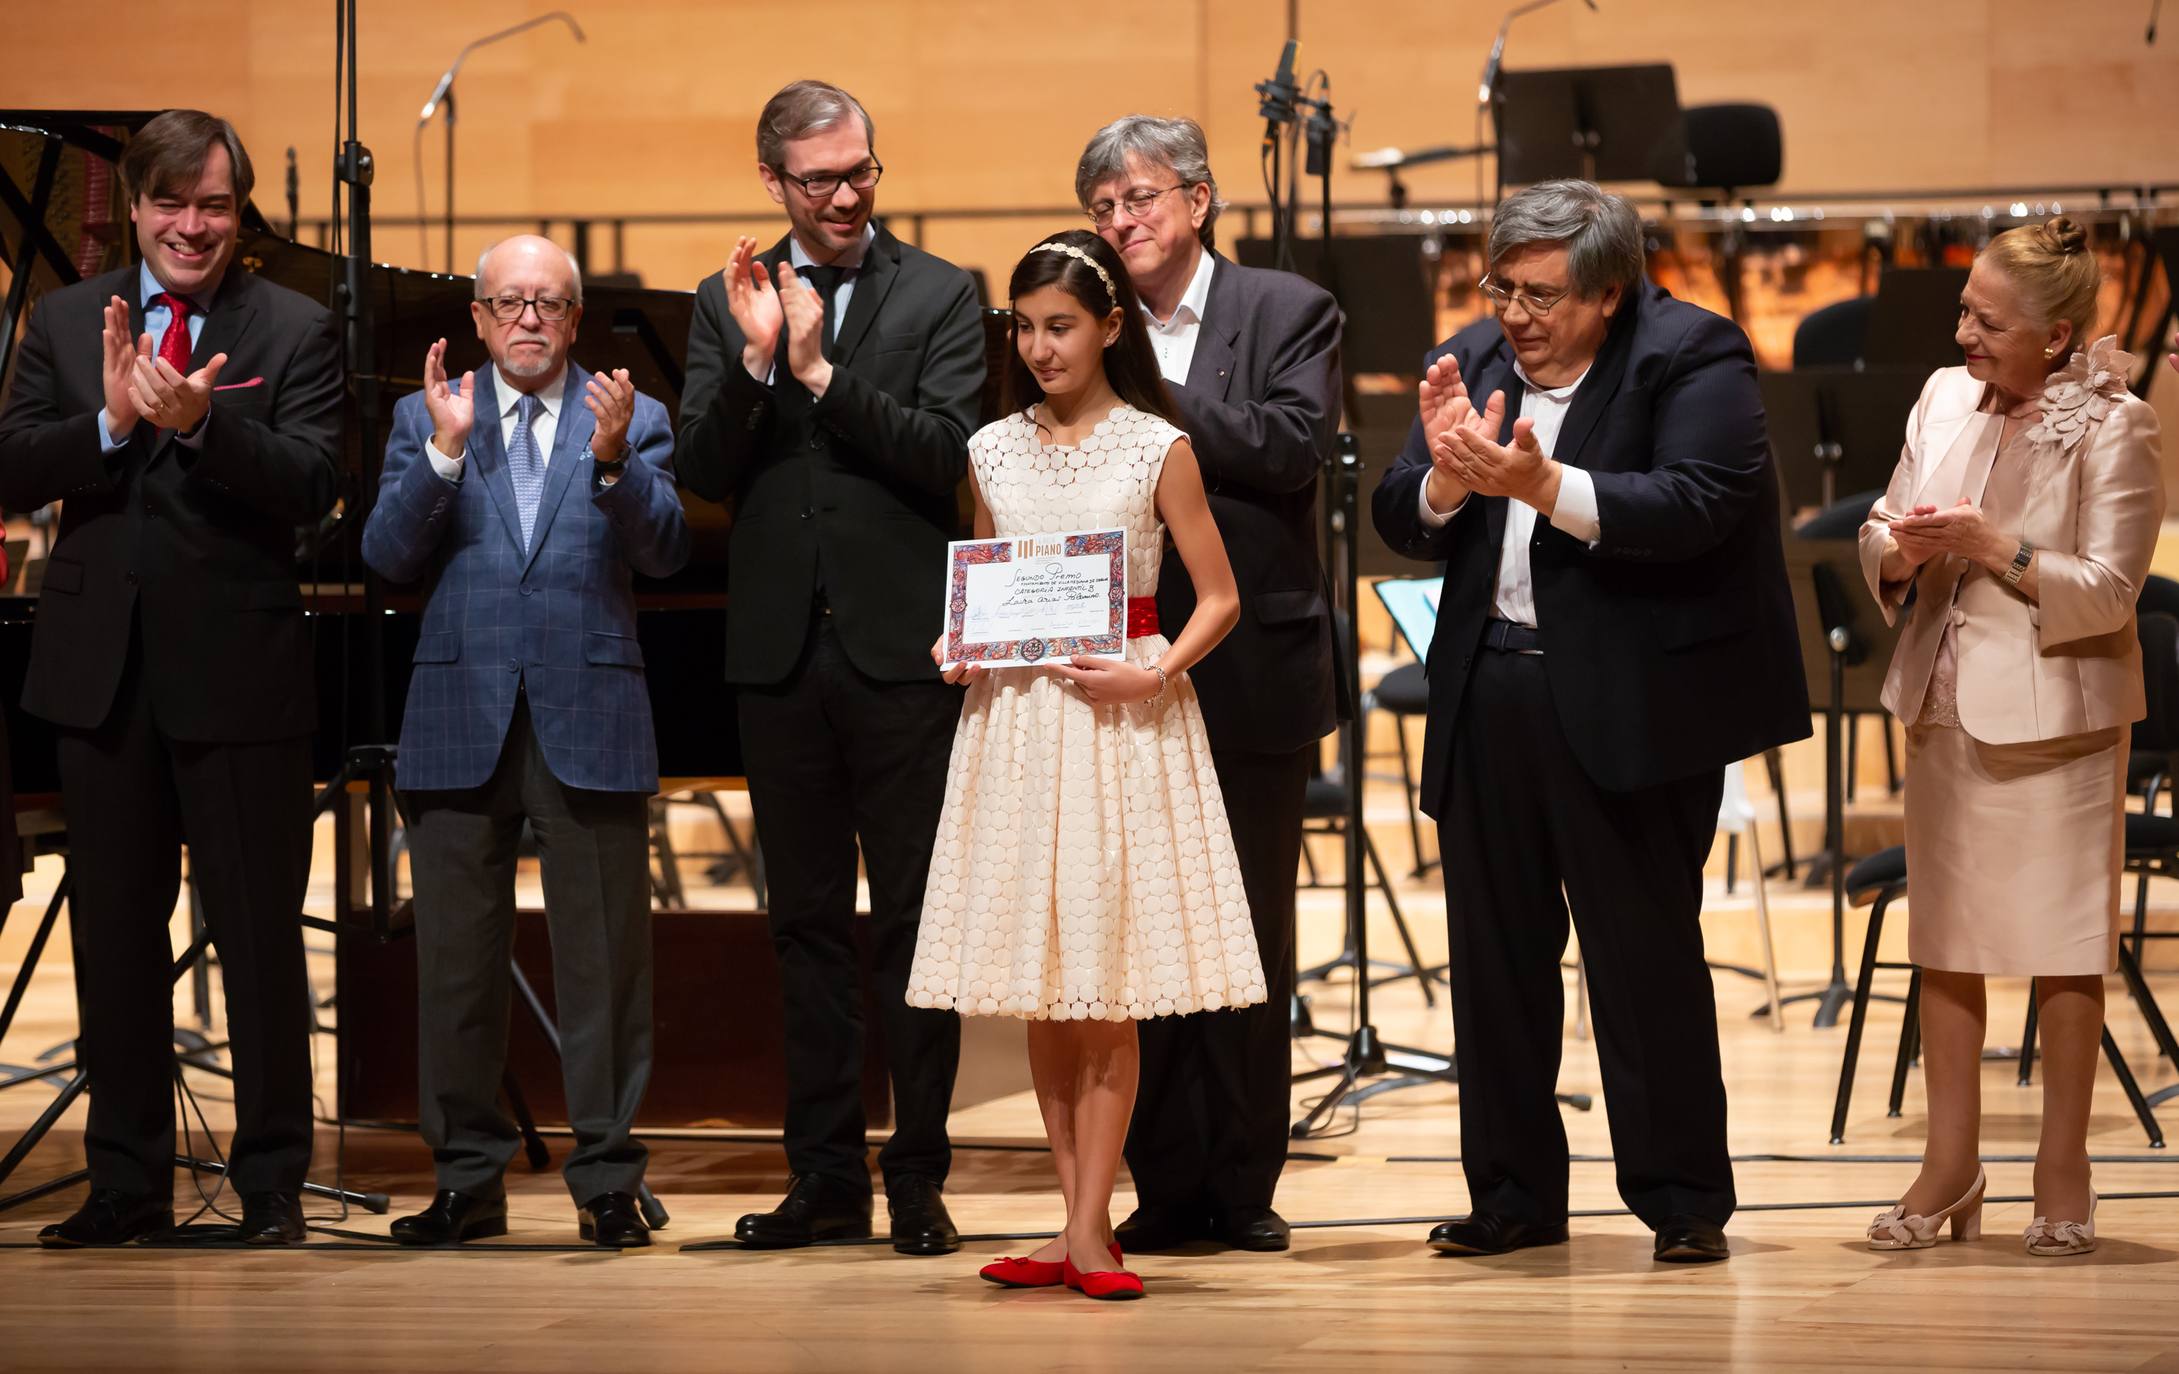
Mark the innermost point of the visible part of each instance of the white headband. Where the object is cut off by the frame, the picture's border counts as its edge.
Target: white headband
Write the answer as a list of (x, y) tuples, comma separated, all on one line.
[(1111, 291)]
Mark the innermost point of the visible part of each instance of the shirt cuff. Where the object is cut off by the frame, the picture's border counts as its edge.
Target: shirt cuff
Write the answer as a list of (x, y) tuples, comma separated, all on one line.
[(1575, 510), (106, 442), (448, 468), (1431, 520)]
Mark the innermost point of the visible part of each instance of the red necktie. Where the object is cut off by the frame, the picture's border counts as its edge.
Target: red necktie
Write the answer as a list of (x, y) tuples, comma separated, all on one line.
[(174, 346)]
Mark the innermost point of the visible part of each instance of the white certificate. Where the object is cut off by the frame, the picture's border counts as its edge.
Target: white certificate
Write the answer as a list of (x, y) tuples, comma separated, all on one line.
[(1031, 599)]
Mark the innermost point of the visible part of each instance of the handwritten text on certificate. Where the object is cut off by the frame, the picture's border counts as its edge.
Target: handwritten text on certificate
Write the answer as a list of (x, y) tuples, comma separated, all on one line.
[(1035, 598)]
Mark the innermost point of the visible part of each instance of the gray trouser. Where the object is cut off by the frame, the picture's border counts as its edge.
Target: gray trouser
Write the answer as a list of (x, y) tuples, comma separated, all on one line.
[(594, 848)]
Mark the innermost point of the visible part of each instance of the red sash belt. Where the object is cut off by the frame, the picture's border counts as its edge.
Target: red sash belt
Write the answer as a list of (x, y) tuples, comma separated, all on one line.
[(1142, 616)]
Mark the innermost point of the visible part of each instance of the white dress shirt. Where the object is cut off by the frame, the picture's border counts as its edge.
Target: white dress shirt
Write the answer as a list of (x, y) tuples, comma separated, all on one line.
[(1174, 339), (1514, 598), (542, 428)]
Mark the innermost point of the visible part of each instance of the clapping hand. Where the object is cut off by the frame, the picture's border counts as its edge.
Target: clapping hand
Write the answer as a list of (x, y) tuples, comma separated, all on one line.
[(453, 408), (121, 354), (805, 314), (1446, 407), (956, 674), (166, 397), (1109, 682), (613, 400), (1927, 532), (754, 304), (1518, 470)]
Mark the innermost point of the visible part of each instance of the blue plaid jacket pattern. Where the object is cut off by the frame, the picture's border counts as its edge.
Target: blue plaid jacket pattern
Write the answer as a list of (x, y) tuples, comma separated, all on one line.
[(559, 621)]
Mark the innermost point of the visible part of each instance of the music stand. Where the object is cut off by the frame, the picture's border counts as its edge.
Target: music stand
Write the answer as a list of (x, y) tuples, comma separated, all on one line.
[(1596, 123), (1413, 604), (1912, 319), (1836, 431)]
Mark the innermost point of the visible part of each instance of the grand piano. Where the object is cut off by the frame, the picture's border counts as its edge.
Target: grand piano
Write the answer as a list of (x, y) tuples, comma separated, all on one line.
[(62, 219)]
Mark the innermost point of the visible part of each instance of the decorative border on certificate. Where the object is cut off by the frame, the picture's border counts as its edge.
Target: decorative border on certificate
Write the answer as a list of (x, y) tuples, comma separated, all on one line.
[(963, 554)]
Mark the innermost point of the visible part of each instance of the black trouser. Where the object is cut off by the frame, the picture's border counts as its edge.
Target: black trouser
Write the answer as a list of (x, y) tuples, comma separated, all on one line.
[(835, 756), (133, 797), (594, 850), (1525, 834), (1212, 1111)]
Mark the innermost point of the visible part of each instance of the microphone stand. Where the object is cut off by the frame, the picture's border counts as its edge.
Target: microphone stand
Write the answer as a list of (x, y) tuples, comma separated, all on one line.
[(1489, 97), (442, 98)]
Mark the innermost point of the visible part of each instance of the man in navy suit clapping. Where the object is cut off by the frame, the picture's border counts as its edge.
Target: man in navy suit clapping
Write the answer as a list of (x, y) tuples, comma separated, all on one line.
[(524, 500)]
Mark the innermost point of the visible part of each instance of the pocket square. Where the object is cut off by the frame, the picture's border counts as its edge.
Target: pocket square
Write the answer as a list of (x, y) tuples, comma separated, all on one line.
[(237, 386)]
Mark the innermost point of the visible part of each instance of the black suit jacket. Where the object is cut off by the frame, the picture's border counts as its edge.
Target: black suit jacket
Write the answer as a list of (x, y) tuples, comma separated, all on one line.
[(1260, 407), (1670, 646), (854, 492), (195, 545)]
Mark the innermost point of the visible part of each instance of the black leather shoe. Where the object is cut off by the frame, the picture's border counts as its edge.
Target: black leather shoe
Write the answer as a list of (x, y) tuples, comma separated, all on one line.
[(815, 1208), (1690, 1240), (271, 1218), (1249, 1228), (1490, 1233), (613, 1220), (109, 1217), (1151, 1228), (453, 1218), (921, 1225)]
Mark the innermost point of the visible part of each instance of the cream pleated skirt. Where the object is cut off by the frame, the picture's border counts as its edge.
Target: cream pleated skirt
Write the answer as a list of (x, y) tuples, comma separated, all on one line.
[(2014, 852)]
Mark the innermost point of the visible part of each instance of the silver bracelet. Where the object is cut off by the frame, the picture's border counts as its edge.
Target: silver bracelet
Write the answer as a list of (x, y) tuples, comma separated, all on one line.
[(2020, 562), (1160, 671)]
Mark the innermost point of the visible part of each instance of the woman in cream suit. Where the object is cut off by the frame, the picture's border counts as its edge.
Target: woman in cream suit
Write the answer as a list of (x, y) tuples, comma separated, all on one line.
[(2022, 516)]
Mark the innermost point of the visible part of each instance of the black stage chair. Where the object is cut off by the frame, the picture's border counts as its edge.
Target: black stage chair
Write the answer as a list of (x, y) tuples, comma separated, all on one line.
[(1731, 147), (1842, 519), (1881, 878), (1405, 693), (1833, 335)]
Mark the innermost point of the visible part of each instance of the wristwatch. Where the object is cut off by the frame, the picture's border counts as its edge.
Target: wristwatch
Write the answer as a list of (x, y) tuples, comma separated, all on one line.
[(2020, 563), (602, 470)]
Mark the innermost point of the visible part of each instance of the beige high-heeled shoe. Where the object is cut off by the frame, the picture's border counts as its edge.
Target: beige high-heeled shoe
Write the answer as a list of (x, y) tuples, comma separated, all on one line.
[(2046, 1238), (1895, 1230)]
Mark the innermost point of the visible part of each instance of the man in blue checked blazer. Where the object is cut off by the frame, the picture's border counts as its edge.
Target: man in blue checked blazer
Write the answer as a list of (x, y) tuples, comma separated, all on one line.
[(523, 501)]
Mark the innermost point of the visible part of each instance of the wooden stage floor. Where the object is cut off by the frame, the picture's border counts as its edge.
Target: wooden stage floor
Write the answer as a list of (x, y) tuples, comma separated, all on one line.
[(1358, 1290)]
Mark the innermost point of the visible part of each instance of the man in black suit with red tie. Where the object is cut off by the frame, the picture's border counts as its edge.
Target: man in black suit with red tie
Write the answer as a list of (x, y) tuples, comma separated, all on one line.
[(832, 384), (186, 414), (1615, 629), (1252, 359)]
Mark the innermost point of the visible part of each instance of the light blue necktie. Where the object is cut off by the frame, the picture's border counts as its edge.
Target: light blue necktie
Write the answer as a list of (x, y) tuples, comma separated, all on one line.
[(526, 466)]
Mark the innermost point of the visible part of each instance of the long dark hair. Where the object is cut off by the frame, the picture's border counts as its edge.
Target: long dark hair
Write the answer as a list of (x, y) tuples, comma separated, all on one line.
[(1130, 364)]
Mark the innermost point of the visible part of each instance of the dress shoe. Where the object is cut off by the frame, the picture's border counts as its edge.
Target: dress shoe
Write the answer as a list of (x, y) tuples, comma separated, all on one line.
[(1250, 1228), (1896, 1230), (453, 1218), (613, 1220), (1008, 1272), (109, 1217), (271, 1218), (815, 1208), (1690, 1240), (1151, 1228), (1492, 1233), (1109, 1285), (2046, 1238), (921, 1225)]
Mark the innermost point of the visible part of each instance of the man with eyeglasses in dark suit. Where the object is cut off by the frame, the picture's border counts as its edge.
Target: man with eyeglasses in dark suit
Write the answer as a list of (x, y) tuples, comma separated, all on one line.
[(833, 381)]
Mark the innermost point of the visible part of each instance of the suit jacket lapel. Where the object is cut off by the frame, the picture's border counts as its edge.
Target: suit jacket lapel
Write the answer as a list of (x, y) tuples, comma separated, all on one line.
[(1606, 375), (570, 433), (487, 455), (873, 282), (227, 323), (1210, 369)]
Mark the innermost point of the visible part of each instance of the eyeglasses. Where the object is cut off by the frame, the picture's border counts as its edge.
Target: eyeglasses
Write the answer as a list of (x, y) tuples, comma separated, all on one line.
[(825, 185), (1535, 303), (508, 308), (1137, 203)]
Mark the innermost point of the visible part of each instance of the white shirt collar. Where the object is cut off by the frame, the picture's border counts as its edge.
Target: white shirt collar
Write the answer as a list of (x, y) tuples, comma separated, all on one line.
[(1194, 300), (549, 394), (852, 260), (1556, 393)]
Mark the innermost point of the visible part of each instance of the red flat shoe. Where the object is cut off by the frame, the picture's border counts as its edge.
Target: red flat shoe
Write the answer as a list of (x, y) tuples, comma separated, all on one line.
[(1110, 1285), (1008, 1272)]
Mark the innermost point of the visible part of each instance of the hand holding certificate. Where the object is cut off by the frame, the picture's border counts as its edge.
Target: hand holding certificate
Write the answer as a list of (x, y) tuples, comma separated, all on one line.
[(1035, 599)]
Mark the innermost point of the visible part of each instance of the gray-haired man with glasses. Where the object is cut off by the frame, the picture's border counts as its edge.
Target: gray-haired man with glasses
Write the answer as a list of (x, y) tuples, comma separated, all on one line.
[(1252, 360), (523, 501), (1615, 629), (833, 380)]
